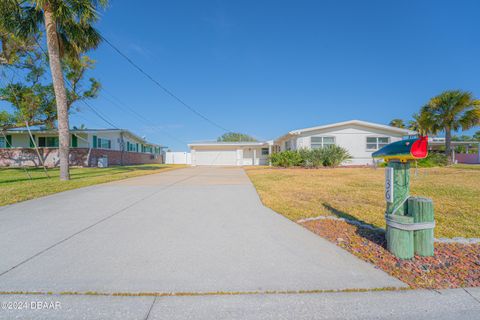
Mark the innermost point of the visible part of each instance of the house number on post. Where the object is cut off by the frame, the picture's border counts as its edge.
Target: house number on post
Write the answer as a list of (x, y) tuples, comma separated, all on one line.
[(389, 184)]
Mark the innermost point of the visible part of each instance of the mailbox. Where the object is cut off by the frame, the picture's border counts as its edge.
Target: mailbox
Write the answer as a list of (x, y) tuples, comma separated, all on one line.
[(409, 220), (404, 150)]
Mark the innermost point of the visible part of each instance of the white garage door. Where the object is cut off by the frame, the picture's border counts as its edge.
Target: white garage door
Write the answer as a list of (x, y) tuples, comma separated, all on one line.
[(216, 157)]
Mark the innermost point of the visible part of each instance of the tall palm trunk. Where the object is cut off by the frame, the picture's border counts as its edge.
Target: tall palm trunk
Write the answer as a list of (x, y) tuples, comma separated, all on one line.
[(60, 93), (448, 144)]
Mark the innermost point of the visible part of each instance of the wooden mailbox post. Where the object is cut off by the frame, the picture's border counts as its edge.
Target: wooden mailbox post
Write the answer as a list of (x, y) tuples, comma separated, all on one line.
[(409, 220)]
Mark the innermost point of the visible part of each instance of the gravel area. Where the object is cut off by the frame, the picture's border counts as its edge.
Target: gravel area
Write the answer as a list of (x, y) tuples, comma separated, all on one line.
[(454, 264)]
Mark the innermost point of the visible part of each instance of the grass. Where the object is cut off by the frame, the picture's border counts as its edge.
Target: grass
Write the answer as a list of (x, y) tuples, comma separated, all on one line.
[(16, 186), (357, 193)]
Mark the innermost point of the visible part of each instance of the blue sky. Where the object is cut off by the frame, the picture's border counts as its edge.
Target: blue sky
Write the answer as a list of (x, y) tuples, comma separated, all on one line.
[(267, 67)]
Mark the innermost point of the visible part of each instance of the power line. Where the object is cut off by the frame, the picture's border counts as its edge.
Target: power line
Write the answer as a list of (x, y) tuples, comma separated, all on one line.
[(118, 103), (103, 117), (71, 88), (171, 94), (98, 113)]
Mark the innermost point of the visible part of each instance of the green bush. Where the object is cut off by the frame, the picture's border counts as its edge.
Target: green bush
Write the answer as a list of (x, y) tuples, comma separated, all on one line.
[(286, 159), (434, 159), (334, 155), (311, 158), (331, 156)]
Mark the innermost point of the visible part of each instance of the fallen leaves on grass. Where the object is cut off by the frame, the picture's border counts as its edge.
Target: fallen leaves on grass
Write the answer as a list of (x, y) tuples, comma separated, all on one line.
[(453, 266)]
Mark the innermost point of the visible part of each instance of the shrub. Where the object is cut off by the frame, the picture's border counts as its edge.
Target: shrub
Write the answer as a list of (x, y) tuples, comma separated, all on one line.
[(330, 156), (286, 159), (312, 158), (434, 159), (334, 155)]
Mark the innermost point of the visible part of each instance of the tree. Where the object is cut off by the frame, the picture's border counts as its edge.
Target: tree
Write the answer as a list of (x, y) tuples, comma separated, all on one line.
[(236, 137), (69, 32), (476, 136), (33, 100), (421, 123), (398, 123), (450, 111)]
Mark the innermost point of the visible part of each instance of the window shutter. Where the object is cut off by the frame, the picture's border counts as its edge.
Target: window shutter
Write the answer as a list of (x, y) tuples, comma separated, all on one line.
[(109, 144), (32, 144), (74, 141), (136, 147), (94, 141), (9, 141)]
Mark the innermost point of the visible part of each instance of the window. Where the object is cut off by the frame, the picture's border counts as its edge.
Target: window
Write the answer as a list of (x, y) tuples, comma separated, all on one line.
[(104, 143), (147, 149), (264, 151), (288, 145), (375, 143), (321, 142), (131, 147), (48, 142)]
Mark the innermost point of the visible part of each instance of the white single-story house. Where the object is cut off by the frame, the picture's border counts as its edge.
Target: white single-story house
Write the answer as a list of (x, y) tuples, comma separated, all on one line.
[(359, 138), (120, 146), (230, 153)]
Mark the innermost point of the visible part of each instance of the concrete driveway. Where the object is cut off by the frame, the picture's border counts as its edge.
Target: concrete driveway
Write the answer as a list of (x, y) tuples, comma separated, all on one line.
[(189, 230)]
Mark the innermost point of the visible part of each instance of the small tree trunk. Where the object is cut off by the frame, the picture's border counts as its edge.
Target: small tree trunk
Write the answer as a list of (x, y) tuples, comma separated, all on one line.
[(60, 93), (448, 144)]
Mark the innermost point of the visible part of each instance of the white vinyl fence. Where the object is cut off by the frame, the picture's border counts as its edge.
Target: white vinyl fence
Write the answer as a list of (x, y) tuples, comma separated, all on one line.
[(178, 157)]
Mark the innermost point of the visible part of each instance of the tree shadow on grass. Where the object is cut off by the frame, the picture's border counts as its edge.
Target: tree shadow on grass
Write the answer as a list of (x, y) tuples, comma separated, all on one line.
[(376, 236)]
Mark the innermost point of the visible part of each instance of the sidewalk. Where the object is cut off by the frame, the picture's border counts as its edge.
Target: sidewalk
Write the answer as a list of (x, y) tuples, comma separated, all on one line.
[(391, 305)]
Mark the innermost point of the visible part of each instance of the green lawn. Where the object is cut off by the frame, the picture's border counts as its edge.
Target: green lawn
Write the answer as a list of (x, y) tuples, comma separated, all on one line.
[(16, 186), (358, 193)]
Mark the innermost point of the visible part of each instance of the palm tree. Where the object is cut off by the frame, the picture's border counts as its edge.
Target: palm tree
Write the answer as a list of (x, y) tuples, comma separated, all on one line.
[(69, 32), (452, 110), (422, 123), (398, 123)]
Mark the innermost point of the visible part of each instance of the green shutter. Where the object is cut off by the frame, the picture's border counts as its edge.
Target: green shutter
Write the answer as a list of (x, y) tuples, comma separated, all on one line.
[(94, 141), (32, 144), (74, 141), (136, 148), (9, 141), (109, 144)]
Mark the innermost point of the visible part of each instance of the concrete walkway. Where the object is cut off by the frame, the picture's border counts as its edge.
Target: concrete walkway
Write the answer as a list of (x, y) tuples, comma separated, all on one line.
[(188, 230), (411, 304)]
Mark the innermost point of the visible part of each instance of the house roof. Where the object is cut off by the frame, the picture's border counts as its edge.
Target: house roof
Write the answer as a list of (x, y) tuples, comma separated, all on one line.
[(350, 122), (23, 131), (355, 122), (238, 144)]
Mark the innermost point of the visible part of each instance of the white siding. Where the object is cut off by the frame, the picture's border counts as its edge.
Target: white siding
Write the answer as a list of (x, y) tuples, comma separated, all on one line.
[(228, 155), (351, 137), (114, 137)]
